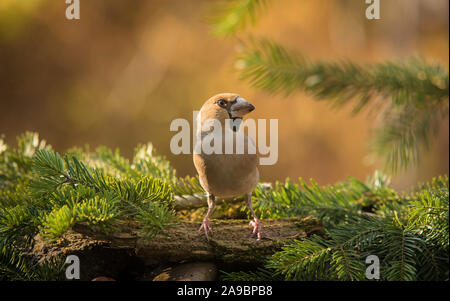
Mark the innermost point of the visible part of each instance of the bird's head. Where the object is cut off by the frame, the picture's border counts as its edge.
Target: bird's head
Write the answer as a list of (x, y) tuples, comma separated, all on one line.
[(225, 106)]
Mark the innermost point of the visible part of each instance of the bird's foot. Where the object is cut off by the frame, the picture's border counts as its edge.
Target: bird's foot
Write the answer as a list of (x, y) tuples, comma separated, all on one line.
[(206, 226), (257, 229)]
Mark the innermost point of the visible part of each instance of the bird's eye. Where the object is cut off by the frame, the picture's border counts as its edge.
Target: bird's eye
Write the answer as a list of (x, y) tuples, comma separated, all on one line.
[(222, 103)]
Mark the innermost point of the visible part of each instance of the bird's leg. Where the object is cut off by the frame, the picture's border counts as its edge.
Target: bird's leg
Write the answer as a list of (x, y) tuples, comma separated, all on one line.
[(206, 226), (257, 228)]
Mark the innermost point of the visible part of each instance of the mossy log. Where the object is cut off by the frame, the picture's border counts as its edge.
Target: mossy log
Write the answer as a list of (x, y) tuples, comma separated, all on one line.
[(230, 244)]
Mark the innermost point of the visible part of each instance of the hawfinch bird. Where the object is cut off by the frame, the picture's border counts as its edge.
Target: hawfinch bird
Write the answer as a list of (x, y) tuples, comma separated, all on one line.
[(227, 174)]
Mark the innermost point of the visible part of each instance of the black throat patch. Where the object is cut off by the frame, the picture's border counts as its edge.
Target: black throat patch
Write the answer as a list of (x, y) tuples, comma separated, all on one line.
[(235, 122)]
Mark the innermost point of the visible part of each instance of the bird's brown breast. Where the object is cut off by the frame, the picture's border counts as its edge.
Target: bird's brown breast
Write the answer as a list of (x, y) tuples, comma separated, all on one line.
[(227, 175)]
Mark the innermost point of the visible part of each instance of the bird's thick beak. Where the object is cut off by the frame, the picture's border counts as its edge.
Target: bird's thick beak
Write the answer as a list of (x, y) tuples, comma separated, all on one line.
[(240, 108)]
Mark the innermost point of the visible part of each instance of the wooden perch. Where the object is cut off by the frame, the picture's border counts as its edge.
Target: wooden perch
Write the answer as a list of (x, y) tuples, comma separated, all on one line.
[(230, 244)]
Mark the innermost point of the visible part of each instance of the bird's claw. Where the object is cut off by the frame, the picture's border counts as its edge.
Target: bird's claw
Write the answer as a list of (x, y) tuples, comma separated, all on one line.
[(206, 226), (257, 229)]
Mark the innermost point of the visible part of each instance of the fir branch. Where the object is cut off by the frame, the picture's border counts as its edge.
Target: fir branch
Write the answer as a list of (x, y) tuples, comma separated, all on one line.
[(16, 267), (411, 243), (230, 16), (410, 96), (13, 266), (51, 193), (331, 204), (303, 260), (149, 163), (148, 200)]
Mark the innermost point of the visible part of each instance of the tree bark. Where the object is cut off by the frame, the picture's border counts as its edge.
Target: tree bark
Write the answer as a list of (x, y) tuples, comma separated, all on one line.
[(127, 253), (231, 242)]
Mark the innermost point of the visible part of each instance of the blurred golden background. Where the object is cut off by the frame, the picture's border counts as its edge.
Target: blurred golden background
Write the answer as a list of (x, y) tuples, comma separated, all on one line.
[(126, 69)]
